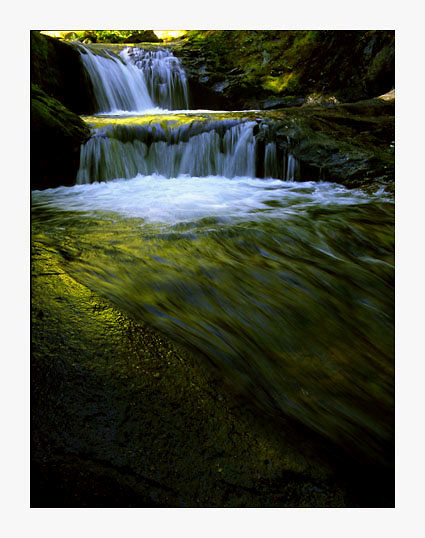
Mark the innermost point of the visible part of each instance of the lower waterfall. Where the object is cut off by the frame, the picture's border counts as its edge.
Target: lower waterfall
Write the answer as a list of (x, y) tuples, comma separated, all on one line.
[(175, 145)]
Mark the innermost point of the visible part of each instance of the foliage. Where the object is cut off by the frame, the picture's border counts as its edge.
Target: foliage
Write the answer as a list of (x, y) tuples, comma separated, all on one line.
[(105, 36)]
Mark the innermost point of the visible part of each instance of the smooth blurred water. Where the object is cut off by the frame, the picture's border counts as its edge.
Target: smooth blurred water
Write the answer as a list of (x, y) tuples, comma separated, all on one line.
[(135, 80), (287, 288), (205, 144)]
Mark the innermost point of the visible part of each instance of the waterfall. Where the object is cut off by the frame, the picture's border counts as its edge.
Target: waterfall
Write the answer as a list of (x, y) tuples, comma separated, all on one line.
[(135, 80), (165, 77), (225, 148)]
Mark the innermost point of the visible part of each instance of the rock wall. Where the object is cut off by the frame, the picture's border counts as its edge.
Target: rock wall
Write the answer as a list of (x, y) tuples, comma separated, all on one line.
[(268, 69)]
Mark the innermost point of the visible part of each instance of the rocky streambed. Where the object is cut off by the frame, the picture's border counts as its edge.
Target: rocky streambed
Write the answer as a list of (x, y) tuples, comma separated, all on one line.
[(122, 417)]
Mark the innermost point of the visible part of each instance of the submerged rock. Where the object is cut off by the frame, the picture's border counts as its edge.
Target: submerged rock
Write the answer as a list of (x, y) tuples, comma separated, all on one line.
[(123, 417)]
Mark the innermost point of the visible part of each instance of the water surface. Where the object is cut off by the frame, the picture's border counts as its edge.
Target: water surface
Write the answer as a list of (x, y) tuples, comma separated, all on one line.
[(285, 287)]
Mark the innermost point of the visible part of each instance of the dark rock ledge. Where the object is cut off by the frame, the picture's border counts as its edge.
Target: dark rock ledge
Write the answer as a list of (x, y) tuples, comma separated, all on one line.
[(351, 143), (121, 417)]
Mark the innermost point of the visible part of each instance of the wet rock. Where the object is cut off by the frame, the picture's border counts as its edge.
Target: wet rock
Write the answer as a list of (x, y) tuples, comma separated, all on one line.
[(56, 137), (351, 144), (107, 434), (283, 102)]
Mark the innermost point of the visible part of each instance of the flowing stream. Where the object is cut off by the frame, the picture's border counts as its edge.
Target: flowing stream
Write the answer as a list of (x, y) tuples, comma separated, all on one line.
[(285, 286)]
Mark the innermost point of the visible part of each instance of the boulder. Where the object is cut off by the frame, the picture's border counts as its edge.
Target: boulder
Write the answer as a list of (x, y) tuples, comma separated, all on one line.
[(142, 36), (56, 137)]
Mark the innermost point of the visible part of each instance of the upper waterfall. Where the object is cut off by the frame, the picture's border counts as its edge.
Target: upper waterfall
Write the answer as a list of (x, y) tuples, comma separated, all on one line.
[(165, 77), (135, 80)]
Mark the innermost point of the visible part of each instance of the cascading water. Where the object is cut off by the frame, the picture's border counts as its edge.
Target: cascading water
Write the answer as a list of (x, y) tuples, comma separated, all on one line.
[(135, 80), (164, 75), (118, 86), (198, 148), (287, 287)]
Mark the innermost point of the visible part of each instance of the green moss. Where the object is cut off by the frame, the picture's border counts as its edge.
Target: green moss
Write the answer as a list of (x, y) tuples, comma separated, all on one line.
[(56, 136), (350, 65), (57, 69), (286, 83)]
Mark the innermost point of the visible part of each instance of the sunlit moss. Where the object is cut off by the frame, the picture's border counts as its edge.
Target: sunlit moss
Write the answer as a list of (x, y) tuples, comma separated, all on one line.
[(170, 34), (165, 120), (277, 84)]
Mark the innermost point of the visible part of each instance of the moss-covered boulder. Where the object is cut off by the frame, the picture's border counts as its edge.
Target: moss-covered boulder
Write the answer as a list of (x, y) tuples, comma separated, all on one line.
[(56, 137), (57, 69), (257, 68), (142, 36)]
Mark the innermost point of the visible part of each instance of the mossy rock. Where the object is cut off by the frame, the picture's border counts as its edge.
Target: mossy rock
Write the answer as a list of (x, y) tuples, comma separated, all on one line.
[(344, 65), (57, 69), (56, 137), (142, 36)]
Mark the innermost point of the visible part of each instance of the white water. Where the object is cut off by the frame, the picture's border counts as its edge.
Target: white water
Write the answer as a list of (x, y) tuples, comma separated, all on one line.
[(135, 80), (165, 77), (185, 199)]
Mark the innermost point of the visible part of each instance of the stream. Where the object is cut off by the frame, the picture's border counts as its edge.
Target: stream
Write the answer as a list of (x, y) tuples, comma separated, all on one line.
[(283, 286)]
